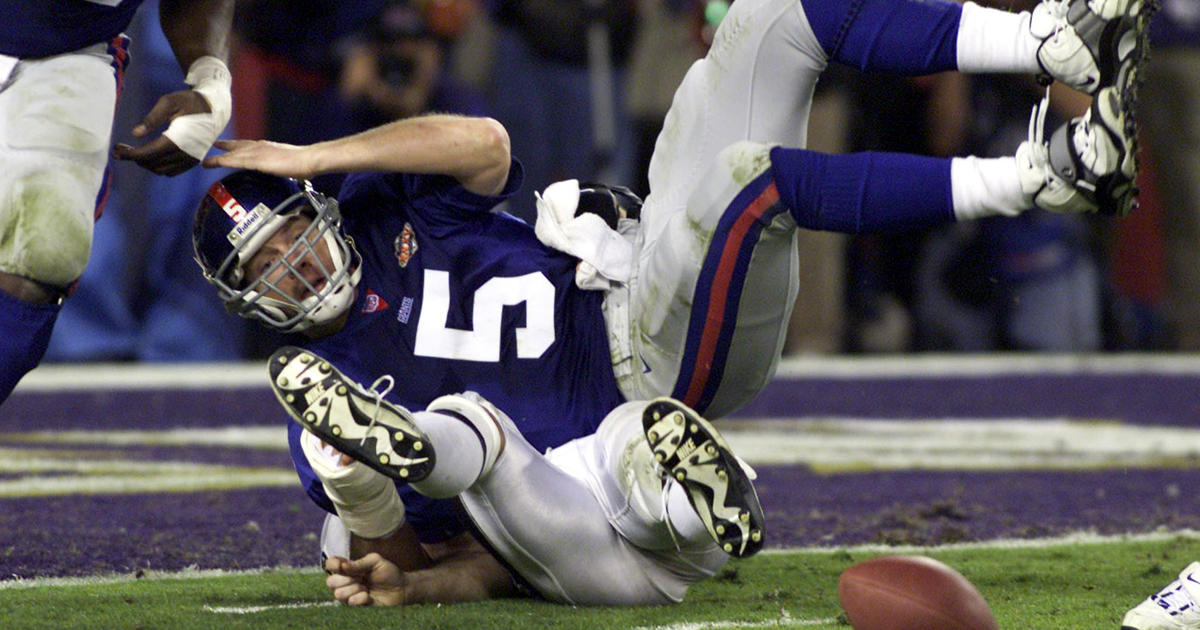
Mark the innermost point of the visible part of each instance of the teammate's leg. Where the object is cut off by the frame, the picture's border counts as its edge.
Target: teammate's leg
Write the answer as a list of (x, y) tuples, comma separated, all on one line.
[(1086, 44), (54, 136)]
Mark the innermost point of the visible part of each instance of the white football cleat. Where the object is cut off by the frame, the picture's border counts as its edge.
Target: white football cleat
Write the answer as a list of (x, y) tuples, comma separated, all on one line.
[(1089, 164), (1092, 44), (718, 484), (352, 419), (1175, 607)]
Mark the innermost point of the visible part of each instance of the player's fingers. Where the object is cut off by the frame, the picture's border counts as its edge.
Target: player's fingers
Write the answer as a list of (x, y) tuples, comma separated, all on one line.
[(361, 598), (157, 117), (232, 156), (351, 593), (337, 580), (363, 565), (333, 564), (160, 156)]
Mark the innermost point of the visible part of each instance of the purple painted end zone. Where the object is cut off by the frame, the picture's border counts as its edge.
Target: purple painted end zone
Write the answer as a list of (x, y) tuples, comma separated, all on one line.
[(1163, 399), (139, 409), (95, 535)]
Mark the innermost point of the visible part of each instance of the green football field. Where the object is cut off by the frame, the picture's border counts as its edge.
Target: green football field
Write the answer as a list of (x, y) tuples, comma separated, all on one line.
[(1059, 585)]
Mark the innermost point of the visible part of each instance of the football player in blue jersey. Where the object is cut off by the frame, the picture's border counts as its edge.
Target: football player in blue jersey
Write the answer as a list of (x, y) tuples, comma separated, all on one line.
[(61, 64), (409, 273)]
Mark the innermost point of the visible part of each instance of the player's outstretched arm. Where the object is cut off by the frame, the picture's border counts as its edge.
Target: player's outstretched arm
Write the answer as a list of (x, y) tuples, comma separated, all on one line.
[(468, 573), (198, 31), (475, 151)]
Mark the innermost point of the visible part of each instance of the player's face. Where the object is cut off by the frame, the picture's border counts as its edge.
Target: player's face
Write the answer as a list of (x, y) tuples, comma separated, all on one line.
[(306, 269)]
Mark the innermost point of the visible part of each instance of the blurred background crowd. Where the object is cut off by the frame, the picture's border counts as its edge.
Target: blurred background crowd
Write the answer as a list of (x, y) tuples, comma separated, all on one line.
[(583, 86)]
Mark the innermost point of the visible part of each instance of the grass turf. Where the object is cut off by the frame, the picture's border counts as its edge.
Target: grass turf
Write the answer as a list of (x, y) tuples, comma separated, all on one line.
[(1061, 586)]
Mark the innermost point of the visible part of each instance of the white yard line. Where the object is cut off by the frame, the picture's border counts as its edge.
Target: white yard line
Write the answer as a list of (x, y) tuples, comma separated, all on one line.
[(248, 610), (785, 621), (63, 377), (261, 437), (841, 444)]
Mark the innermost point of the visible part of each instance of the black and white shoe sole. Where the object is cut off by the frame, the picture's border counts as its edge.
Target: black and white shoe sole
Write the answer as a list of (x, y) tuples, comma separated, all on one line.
[(693, 453), (1129, 52), (346, 416)]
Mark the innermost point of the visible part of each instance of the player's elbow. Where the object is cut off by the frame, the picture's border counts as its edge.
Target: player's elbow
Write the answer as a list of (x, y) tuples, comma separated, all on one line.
[(494, 142), (492, 158)]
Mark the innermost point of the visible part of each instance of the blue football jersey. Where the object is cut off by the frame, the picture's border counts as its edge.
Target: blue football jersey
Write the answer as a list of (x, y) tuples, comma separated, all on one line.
[(40, 28), (454, 297)]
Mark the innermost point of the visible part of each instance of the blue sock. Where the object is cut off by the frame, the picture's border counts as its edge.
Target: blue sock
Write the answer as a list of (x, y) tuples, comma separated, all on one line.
[(909, 37), (863, 192), (24, 333)]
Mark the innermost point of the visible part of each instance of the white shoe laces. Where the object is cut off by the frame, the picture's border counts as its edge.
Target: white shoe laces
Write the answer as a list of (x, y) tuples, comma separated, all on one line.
[(1058, 9), (1039, 153), (378, 395)]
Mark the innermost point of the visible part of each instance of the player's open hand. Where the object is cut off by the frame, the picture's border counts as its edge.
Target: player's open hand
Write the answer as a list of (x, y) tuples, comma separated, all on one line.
[(162, 155), (276, 158), (368, 581)]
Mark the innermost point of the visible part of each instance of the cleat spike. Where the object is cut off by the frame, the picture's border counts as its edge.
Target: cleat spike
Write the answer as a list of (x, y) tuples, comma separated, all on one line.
[(694, 454), (343, 414)]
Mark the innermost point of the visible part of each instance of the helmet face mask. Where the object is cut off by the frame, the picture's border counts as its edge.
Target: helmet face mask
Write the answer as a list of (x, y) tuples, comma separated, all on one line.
[(283, 262)]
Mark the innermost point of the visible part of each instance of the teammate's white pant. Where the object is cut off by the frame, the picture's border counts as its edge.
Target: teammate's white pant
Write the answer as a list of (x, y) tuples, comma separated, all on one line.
[(587, 523), (56, 116), (704, 317), (756, 83)]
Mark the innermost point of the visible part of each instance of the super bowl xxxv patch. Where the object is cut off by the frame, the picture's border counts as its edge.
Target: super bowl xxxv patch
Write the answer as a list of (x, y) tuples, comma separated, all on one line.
[(406, 245)]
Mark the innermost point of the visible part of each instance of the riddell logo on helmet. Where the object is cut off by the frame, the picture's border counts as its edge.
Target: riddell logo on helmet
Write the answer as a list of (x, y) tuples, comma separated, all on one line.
[(250, 221)]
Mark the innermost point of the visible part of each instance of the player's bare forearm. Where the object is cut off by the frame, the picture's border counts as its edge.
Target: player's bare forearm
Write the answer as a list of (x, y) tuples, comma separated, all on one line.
[(401, 547), (475, 151), (196, 28), (463, 571), (471, 575)]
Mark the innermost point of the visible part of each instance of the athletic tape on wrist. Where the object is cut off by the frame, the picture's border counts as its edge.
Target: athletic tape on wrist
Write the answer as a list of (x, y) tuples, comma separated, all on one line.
[(194, 134), (366, 501)]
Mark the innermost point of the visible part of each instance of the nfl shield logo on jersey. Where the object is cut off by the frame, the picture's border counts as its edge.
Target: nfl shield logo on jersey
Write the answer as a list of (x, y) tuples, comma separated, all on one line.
[(406, 245), (374, 303)]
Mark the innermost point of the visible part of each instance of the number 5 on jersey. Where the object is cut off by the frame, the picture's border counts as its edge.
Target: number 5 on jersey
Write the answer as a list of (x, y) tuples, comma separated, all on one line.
[(482, 343)]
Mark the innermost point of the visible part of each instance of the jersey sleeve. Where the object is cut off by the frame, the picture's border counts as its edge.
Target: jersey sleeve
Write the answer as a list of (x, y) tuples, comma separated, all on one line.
[(434, 198)]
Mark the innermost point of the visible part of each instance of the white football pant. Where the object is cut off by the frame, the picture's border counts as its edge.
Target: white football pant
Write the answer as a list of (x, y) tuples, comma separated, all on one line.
[(587, 522), (56, 116)]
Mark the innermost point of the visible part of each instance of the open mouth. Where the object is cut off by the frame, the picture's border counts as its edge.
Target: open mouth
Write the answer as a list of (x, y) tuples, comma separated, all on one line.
[(317, 284)]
